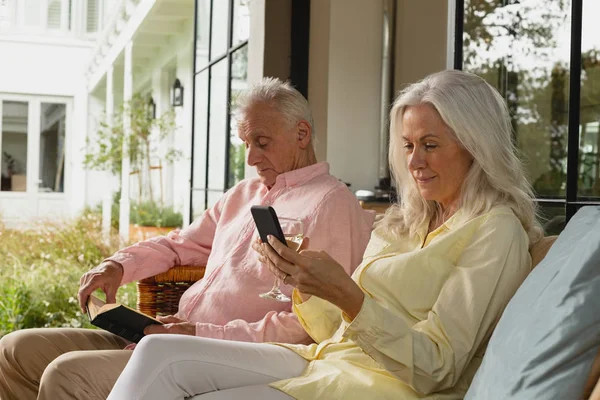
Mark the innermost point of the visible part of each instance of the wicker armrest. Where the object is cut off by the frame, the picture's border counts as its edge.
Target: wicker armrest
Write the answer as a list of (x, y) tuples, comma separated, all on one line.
[(160, 294)]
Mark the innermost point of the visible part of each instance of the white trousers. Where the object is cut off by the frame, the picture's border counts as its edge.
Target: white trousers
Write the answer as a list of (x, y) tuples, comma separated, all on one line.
[(165, 367)]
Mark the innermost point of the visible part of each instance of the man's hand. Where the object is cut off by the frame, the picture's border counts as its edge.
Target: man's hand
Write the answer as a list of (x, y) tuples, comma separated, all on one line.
[(106, 276), (172, 325)]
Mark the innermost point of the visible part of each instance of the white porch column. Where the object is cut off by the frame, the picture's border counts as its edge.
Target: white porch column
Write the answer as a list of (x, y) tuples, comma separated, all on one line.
[(127, 94), (107, 198)]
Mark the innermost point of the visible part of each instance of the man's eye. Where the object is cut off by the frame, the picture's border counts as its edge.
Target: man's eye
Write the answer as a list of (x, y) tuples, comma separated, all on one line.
[(408, 146), (430, 146)]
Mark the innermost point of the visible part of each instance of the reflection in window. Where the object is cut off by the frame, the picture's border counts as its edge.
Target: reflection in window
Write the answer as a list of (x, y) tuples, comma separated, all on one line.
[(14, 146), (522, 48), (202, 33), (241, 21), (54, 16), (218, 126), (237, 149), (220, 29), (52, 147), (589, 142), (219, 156)]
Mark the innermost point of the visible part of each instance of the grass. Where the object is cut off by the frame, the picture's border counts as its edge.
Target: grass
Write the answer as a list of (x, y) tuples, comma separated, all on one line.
[(40, 270)]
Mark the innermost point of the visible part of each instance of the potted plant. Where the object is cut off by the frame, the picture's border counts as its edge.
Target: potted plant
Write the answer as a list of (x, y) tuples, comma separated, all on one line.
[(146, 153)]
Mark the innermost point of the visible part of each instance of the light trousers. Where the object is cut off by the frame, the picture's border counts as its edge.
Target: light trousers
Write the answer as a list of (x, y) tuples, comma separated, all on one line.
[(60, 363), (165, 367)]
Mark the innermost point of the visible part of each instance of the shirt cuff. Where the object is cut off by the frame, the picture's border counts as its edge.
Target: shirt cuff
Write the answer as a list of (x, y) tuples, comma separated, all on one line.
[(210, 330), (369, 324), (129, 266)]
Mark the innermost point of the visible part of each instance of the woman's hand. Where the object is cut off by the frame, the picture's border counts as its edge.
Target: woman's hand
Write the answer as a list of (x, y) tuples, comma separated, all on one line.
[(314, 273)]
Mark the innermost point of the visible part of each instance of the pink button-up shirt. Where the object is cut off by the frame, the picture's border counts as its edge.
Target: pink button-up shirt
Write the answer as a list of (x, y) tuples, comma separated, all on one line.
[(225, 304)]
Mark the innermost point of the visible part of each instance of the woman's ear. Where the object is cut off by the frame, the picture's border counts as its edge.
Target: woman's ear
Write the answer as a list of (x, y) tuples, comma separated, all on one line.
[(304, 134)]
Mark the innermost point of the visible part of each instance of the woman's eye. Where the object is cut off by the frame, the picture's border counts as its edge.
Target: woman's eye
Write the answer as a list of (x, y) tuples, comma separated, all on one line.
[(408, 146), (430, 146)]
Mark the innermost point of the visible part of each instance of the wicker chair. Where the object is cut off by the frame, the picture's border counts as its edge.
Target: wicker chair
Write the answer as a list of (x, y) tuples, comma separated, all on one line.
[(160, 294)]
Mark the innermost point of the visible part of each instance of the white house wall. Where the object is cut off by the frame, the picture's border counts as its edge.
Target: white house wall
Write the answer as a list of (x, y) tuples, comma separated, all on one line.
[(50, 68), (354, 91)]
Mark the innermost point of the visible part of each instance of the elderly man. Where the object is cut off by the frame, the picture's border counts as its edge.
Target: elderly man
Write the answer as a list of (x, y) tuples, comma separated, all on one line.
[(276, 126)]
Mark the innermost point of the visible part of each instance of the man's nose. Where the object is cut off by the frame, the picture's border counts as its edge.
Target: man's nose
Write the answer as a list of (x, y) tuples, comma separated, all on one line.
[(253, 156)]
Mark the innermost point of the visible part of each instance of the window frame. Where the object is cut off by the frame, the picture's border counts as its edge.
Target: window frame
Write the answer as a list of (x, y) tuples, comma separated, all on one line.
[(571, 202), (212, 61)]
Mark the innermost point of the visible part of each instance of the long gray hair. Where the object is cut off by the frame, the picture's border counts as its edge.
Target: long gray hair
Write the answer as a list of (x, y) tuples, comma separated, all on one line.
[(478, 117)]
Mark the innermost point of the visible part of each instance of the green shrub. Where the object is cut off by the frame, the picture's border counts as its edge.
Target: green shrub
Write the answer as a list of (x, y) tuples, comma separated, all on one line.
[(40, 270), (152, 214)]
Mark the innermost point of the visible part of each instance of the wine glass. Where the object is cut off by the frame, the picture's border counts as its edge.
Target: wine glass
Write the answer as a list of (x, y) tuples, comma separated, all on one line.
[(293, 231)]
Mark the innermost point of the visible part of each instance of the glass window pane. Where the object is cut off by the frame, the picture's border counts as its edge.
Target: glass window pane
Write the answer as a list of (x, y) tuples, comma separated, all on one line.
[(241, 21), (237, 149), (200, 130), (220, 28), (524, 52), (92, 17), (213, 197), (218, 126), (54, 14), (198, 203), (32, 15), (589, 142), (52, 147), (202, 33), (14, 146)]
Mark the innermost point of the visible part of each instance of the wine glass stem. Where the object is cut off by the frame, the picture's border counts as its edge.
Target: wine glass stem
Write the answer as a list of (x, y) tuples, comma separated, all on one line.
[(276, 284)]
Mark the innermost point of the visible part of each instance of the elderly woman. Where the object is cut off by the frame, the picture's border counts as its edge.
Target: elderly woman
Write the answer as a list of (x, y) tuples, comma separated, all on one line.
[(414, 319)]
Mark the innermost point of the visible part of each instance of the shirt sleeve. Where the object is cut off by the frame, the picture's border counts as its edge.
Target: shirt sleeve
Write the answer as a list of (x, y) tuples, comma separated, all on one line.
[(319, 318), (432, 354), (189, 246), (341, 227), (273, 327)]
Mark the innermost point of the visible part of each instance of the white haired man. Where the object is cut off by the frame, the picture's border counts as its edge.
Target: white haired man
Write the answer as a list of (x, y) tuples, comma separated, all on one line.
[(276, 126)]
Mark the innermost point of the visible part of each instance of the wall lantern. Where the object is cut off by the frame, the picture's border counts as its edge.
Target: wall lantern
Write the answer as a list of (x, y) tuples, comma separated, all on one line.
[(177, 94), (151, 109)]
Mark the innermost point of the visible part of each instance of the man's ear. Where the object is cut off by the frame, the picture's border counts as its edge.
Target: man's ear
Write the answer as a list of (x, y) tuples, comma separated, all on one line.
[(304, 134)]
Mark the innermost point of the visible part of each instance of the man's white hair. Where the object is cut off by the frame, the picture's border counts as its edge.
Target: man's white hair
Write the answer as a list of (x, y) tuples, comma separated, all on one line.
[(479, 119), (281, 95)]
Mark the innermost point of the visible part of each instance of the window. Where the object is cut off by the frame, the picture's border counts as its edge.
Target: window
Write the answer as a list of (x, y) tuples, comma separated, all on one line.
[(221, 62), (52, 147), (92, 16), (13, 145), (544, 58), (36, 15)]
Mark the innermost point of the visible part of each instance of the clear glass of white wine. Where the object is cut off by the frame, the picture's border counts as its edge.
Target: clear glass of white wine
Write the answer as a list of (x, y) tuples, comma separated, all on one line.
[(293, 231)]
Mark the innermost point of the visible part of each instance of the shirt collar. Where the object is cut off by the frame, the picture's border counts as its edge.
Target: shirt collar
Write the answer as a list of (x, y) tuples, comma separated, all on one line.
[(302, 175)]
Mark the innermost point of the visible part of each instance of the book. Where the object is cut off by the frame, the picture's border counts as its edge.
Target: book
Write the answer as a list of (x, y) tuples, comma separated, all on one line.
[(119, 319)]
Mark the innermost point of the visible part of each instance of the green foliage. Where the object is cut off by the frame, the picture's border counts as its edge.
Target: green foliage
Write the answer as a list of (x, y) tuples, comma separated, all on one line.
[(145, 143), (41, 268), (151, 214), (237, 161)]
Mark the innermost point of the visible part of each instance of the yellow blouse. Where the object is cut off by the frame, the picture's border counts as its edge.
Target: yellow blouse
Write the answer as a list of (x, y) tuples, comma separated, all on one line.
[(431, 303)]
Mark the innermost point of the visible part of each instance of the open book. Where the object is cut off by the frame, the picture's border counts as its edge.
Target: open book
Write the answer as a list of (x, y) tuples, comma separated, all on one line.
[(118, 319)]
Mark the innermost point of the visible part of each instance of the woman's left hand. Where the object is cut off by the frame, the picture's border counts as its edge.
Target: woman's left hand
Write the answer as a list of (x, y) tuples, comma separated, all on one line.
[(314, 273)]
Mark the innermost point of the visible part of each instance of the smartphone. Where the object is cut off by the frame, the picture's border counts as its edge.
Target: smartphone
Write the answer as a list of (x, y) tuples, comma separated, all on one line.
[(267, 223)]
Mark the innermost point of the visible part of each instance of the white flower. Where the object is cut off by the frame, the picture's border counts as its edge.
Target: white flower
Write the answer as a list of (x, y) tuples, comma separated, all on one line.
[(81, 258), (46, 303), (72, 300)]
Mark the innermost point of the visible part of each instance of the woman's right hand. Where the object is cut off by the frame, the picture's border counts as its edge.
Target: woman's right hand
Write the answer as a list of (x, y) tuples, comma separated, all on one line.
[(314, 273)]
